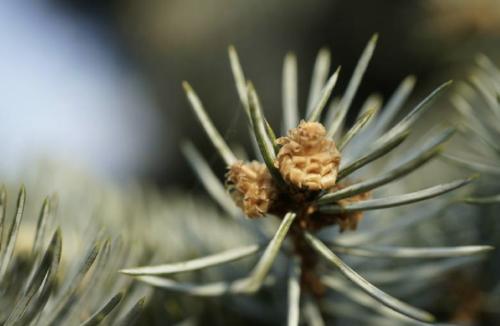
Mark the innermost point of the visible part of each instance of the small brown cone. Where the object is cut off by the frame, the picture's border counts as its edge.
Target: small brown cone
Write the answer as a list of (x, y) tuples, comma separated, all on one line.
[(350, 221), (307, 159), (251, 187)]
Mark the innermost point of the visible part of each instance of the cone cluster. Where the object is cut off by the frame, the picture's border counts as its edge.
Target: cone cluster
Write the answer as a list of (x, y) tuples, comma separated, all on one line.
[(307, 160)]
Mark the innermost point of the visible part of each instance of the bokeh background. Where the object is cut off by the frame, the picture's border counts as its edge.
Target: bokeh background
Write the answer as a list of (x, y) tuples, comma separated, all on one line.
[(94, 86), (96, 83)]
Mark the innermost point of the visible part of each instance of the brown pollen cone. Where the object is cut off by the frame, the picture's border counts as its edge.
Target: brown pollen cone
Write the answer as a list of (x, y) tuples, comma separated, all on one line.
[(307, 159), (349, 221), (251, 187), (311, 219)]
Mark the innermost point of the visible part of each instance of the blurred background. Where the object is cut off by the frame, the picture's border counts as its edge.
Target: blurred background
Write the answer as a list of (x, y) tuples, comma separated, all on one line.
[(96, 84)]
